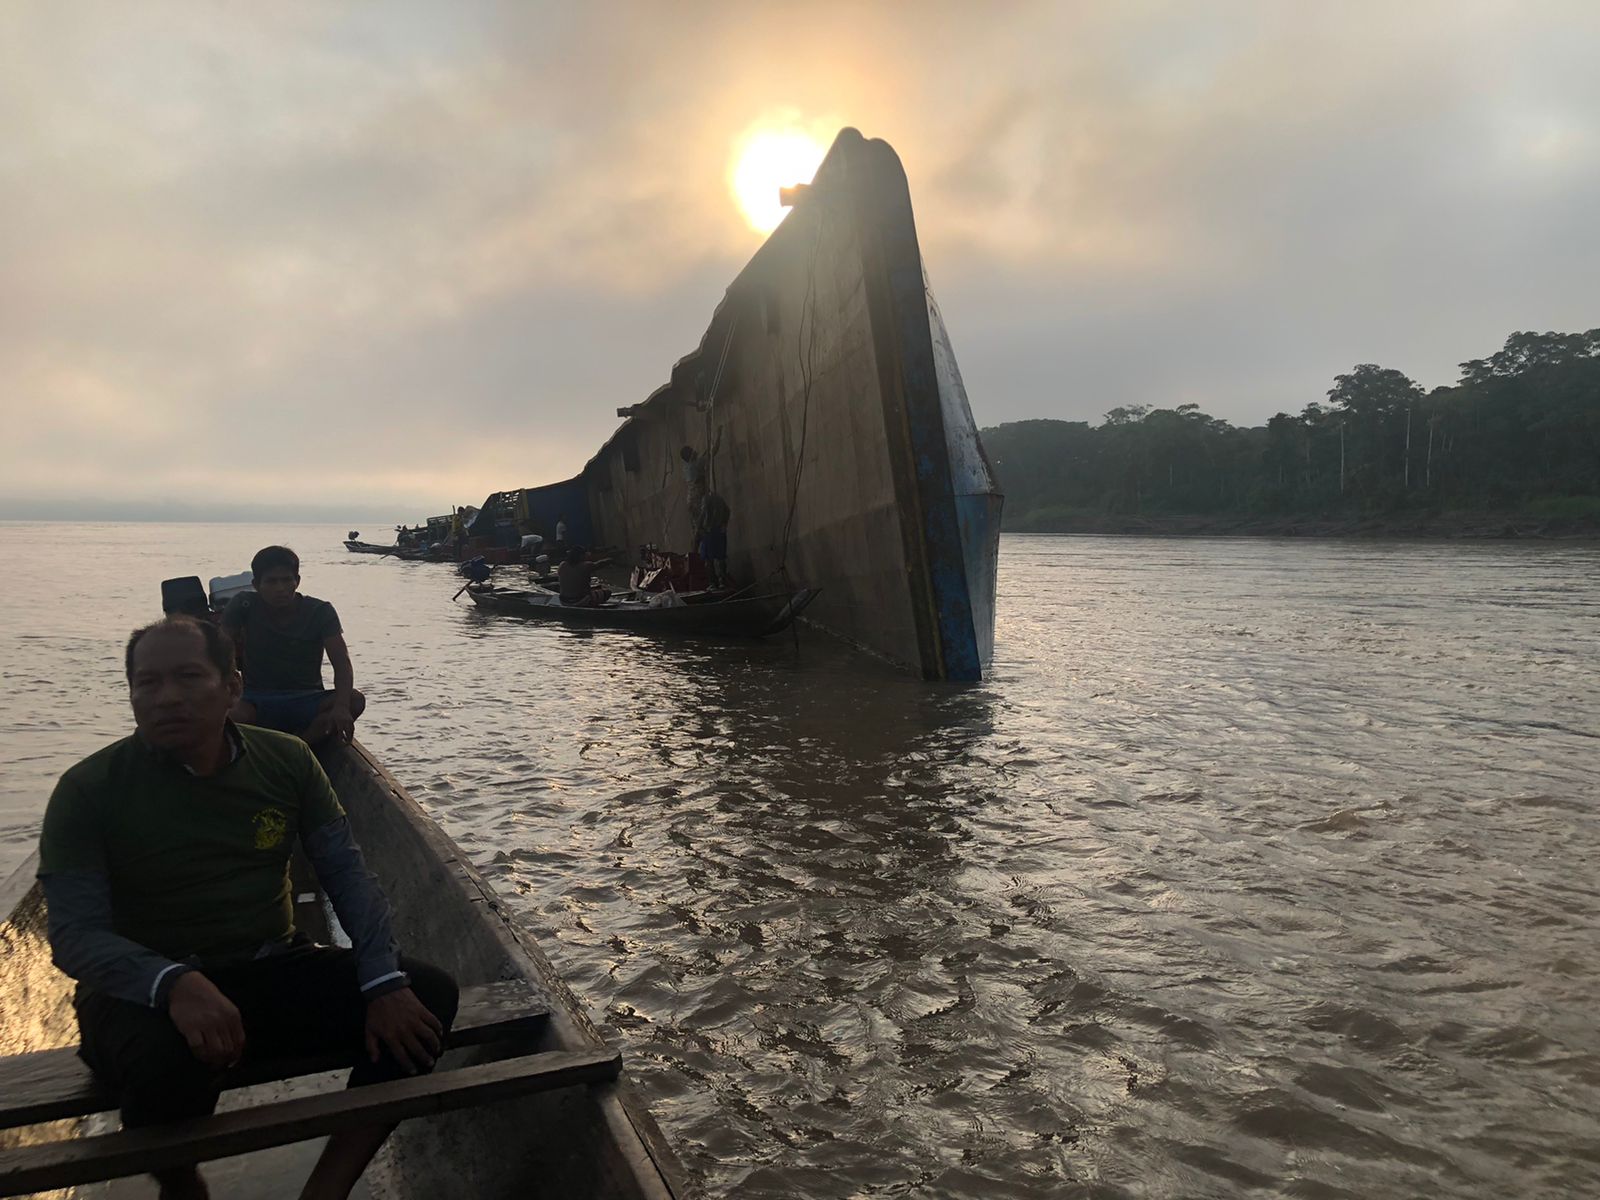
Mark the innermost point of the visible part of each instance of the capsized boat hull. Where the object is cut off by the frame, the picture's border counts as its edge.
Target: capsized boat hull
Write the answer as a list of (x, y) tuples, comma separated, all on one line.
[(827, 409), (596, 1142)]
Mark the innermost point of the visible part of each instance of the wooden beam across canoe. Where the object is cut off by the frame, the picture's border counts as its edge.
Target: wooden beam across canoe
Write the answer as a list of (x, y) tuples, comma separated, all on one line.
[(73, 1161), (48, 1085)]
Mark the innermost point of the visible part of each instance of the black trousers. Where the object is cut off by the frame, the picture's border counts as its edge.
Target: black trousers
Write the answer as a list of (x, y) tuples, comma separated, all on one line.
[(305, 1001)]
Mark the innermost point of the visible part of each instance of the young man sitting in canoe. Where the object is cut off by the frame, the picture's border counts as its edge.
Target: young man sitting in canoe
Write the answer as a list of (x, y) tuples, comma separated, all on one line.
[(574, 578), (282, 636), (165, 866)]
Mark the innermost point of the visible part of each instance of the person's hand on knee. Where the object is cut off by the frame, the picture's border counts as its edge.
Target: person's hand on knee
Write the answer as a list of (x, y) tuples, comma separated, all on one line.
[(400, 1023), (341, 723), (209, 1021)]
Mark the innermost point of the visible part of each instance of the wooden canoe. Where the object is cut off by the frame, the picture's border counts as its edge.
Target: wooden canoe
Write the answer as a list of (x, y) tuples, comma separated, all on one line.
[(406, 552), (596, 1141), (752, 616)]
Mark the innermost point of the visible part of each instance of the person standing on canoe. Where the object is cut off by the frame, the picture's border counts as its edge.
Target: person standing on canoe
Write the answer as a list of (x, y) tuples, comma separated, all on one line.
[(458, 532), (711, 537), (282, 636), (164, 861)]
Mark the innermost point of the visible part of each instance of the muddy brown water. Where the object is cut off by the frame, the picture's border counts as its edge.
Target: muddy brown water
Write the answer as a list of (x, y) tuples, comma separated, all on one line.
[(1259, 868)]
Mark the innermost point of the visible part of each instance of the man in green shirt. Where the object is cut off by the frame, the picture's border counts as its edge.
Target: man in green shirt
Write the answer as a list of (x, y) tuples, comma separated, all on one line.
[(164, 861)]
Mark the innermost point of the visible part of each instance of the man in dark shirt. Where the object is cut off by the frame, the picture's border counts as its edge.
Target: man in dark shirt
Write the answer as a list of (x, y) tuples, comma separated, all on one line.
[(575, 581), (164, 861), (711, 537), (282, 637)]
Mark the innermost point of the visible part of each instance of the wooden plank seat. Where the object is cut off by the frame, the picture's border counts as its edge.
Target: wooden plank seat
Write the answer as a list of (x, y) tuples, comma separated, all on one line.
[(74, 1161), (49, 1085)]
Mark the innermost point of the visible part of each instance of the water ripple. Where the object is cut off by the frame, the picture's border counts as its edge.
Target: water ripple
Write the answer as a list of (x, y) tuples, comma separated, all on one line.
[(1258, 868)]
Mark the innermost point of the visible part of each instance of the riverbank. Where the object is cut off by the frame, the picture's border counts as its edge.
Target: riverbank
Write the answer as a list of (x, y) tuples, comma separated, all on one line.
[(1445, 526)]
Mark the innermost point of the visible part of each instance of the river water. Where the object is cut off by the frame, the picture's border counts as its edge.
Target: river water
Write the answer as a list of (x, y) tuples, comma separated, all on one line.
[(1259, 868)]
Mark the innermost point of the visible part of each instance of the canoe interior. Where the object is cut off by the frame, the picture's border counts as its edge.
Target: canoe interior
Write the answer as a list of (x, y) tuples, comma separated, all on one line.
[(755, 616), (583, 1142)]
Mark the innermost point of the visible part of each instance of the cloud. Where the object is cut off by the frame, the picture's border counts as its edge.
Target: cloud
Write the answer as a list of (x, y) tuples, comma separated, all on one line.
[(414, 252)]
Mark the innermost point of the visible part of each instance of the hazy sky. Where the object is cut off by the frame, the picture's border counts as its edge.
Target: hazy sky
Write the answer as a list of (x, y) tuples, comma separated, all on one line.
[(403, 254)]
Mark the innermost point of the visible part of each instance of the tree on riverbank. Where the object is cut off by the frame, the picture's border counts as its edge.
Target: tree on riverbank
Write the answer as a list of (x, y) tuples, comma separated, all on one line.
[(1520, 431)]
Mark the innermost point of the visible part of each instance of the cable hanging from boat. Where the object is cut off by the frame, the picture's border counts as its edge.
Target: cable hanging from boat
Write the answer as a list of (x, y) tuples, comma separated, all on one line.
[(711, 405), (805, 354), (711, 443)]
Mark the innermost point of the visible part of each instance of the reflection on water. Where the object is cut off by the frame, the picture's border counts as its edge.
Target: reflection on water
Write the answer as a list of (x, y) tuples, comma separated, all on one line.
[(1258, 866)]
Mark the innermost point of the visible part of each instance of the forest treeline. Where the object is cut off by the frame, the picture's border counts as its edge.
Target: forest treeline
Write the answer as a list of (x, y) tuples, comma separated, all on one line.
[(1520, 432)]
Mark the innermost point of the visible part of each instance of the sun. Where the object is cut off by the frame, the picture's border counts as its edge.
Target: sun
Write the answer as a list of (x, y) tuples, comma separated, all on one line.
[(765, 159)]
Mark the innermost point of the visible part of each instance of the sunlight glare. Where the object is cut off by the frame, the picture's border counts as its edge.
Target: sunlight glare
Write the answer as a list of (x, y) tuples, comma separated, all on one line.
[(765, 160)]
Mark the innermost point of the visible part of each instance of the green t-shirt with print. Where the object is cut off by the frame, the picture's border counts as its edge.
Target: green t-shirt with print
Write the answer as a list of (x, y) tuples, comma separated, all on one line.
[(199, 867)]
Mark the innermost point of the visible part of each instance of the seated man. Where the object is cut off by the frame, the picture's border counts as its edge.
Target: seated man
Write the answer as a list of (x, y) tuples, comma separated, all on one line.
[(165, 866), (282, 637), (576, 586)]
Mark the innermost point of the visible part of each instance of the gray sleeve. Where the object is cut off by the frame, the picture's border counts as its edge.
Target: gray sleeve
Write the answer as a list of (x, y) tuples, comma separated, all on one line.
[(359, 903), (84, 944), (328, 622), (237, 609)]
